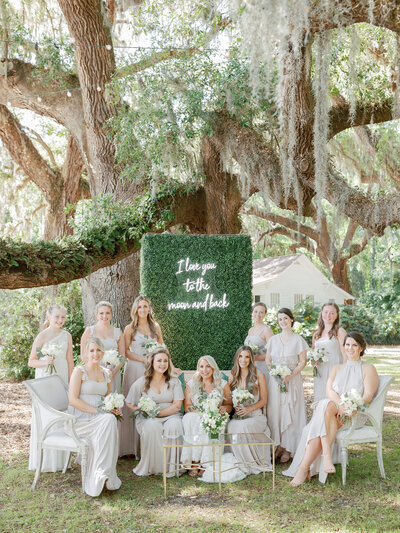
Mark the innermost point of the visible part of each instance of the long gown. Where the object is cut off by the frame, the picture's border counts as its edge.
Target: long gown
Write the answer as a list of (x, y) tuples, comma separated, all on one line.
[(332, 351), (100, 432), (129, 443), (111, 343), (286, 411), (151, 430), (348, 377), (53, 460), (254, 422), (192, 428), (260, 342)]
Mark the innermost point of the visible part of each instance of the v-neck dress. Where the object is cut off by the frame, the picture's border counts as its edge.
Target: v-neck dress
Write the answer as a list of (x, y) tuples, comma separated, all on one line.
[(151, 430), (286, 411)]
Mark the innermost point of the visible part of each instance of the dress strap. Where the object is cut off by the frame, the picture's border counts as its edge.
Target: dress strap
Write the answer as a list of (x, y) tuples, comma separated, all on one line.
[(91, 329), (84, 374), (107, 374), (117, 333)]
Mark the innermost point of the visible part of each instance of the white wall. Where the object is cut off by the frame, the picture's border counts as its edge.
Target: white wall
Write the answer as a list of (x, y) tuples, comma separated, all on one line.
[(298, 279)]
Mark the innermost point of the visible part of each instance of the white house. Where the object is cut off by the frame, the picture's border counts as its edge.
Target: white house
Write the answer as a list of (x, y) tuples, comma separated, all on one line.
[(287, 280)]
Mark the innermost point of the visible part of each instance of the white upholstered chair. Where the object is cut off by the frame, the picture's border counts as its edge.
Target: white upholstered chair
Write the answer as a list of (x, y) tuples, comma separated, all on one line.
[(368, 433), (55, 426)]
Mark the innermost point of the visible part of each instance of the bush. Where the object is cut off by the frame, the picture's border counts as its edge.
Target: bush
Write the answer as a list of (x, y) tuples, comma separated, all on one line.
[(192, 332)]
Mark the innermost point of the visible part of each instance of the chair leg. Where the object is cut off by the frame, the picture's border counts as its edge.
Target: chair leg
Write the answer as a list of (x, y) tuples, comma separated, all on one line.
[(38, 466), (344, 464), (83, 467), (379, 457), (66, 462)]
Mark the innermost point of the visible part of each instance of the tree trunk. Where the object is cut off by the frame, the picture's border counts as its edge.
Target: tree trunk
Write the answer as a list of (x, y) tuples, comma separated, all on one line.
[(339, 274)]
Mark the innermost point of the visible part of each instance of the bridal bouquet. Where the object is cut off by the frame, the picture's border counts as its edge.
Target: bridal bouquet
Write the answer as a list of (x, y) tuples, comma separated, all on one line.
[(50, 350), (255, 349), (316, 357), (242, 397), (112, 357), (351, 401), (279, 372), (147, 408), (212, 421), (151, 345), (112, 401)]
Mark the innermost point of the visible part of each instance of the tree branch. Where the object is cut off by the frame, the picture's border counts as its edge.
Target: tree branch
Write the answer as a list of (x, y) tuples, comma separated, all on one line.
[(43, 144)]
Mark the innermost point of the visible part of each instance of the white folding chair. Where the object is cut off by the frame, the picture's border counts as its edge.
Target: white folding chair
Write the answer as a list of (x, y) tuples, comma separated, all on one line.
[(56, 427), (367, 433)]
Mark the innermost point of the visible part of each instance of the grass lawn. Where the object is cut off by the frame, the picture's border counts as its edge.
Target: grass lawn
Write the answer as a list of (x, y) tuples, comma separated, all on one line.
[(365, 503)]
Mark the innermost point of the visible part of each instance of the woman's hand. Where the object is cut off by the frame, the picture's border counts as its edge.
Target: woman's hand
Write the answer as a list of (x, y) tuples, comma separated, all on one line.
[(116, 412), (223, 409), (49, 360), (243, 410), (286, 380)]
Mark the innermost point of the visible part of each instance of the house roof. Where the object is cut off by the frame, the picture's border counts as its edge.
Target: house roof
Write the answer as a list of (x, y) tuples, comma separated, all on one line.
[(270, 267)]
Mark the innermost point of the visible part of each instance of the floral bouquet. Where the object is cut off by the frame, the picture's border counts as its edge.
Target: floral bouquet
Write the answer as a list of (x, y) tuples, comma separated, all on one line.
[(50, 350), (279, 372), (351, 401), (112, 401), (212, 421), (255, 349), (147, 408), (112, 358), (242, 397), (151, 344), (316, 357)]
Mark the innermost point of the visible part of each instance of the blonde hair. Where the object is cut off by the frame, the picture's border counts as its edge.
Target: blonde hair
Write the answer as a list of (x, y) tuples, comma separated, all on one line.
[(149, 369), (133, 326), (50, 311), (104, 303), (92, 340), (197, 387)]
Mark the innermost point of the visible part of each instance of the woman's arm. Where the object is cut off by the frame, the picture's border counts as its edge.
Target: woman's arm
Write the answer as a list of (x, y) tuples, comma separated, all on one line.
[(187, 402), (268, 359), (84, 338), (74, 392), (128, 353), (371, 382), (121, 351), (262, 391), (300, 365), (34, 361), (171, 410), (341, 336), (226, 406), (69, 356)]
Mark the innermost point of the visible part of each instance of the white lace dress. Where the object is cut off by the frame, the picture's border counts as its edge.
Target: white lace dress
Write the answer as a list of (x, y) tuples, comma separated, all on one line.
[(53, 460), (348, 377), (286, 411), (100, 432), (332, 351)]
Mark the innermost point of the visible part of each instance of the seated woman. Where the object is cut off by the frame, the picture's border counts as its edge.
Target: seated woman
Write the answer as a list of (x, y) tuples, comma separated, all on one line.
[(166, 391), (319, 434), (205, 380), (88, 386), (244, 375)]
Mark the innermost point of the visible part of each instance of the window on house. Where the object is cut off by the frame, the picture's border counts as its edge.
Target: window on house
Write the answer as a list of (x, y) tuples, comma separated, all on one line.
[(257, 298), (275, 299), (310, 299), (297, 298)]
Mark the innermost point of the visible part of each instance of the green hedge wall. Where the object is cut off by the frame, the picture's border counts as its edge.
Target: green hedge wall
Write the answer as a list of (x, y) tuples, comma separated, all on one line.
[(201, 327)]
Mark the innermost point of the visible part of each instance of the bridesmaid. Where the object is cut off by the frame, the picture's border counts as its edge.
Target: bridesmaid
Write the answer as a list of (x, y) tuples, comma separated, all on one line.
[(259, 335), (206, 378), (329, 336), (111, 338), (319, 434), (166, 391), (245, 375), (89, 384), (53, 333), (286, 411)]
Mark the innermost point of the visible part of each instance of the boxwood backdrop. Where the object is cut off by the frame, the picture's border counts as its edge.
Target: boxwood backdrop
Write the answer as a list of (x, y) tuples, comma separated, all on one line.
[(200, 290)]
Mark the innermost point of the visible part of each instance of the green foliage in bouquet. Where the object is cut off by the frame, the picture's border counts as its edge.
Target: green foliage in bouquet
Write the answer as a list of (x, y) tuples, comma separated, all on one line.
[(190, 330)]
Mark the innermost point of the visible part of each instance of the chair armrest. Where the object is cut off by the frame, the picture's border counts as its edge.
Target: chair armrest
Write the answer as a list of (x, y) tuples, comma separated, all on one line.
[(70, 420)]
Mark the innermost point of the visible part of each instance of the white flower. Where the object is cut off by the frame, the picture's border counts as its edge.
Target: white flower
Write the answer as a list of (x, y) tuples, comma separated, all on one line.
[(112, 401), (240, 396), (111, 357), (52, 350)]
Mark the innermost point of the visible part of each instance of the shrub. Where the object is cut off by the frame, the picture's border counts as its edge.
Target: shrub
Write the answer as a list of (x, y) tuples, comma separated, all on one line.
[(192, 332)]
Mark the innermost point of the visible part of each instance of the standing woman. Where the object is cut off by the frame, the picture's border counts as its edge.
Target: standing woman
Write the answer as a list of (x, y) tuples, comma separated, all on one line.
[(286, 411), (328, 336), (111, 338), (206, 378), (245, 375), (319, 434), (63, 365), (89, 384), (258, 335), (167, 393)]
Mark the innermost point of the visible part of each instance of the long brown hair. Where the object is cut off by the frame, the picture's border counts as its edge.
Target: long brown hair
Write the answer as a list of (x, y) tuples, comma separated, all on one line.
[(333, 332), (135, 319), (252, 378), (149, 370)]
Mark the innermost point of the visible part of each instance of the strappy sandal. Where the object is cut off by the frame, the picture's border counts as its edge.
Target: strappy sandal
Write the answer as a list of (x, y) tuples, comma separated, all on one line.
[(294, 483)]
